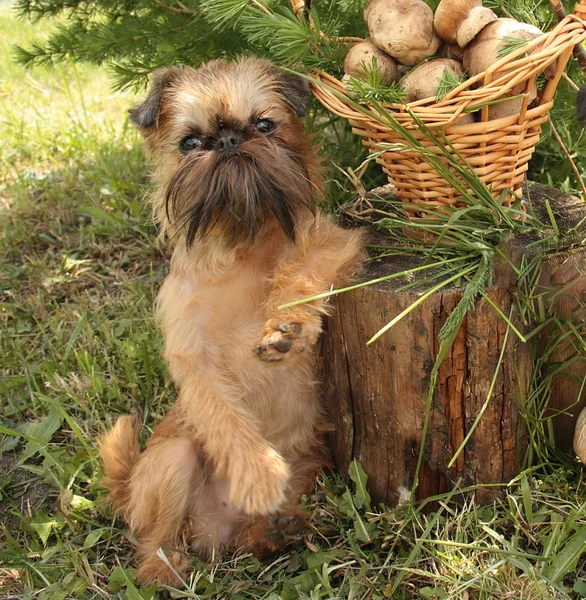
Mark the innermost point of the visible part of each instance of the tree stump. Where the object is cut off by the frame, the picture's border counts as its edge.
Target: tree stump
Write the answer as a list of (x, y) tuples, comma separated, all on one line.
[(376, 396)]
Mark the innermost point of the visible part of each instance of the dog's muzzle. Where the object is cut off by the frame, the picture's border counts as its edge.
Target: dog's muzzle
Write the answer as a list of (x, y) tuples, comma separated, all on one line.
[(229, 141)]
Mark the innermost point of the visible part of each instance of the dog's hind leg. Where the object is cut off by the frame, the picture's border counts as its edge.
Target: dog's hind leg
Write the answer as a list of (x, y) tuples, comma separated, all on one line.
[(163, 486)]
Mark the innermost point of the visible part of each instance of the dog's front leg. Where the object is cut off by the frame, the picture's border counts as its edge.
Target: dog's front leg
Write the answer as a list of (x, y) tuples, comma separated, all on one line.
[(324, 255), (256, 472)]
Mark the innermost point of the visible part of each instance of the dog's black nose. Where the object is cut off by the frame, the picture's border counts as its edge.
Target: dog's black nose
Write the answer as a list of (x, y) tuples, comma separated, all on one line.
[(228, 142)]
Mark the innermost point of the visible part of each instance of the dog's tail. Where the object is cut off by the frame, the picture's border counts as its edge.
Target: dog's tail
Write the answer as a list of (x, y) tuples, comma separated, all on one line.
[(119, 450)]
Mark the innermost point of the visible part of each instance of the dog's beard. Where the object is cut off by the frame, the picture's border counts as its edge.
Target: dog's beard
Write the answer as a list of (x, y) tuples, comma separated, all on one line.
[(239, 192)]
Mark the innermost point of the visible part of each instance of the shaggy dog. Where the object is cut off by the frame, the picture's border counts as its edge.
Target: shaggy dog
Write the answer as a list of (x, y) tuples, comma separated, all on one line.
[(236, 180)]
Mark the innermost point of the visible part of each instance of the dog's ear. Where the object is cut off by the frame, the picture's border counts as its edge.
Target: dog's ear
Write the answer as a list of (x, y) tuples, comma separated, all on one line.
[(146, 114), (295, 90)]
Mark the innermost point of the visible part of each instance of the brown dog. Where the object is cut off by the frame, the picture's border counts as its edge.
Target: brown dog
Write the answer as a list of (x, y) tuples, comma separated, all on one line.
[(237, 177)]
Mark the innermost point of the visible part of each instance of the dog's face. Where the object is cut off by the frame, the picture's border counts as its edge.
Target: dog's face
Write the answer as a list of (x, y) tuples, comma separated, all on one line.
[(229, 148)]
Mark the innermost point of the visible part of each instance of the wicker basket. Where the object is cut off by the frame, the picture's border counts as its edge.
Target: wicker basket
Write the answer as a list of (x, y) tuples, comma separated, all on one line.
[(498, 150)]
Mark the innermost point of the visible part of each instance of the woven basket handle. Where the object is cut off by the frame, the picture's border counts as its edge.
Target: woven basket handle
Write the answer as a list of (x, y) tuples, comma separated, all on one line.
[(580, 13), (580, 9)]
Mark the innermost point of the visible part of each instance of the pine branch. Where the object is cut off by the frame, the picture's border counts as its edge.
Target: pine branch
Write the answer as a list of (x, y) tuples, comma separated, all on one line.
[(182, 10), (449, 81), (369, 86)]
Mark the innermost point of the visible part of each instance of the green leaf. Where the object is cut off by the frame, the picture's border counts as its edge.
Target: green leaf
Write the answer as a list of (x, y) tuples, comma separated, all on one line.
[(315, 560), (124, 578), (580, 588), (433, 592), (53, 592), (511, 44), (346, 505), (305, 582), (93, 537), (360, 478), (81, 503), (149, 593), (41, 433), (364, 531), (368, 85), (45, 525), (565, 561), (13, 436), (526, 491), (73, 585)]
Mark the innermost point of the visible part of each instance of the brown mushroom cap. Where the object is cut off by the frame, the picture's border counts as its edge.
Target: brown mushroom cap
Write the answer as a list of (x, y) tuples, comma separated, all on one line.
[(448, 16), (423, 81), (459, 21), (580, 437), (361, 55), (403, 29)]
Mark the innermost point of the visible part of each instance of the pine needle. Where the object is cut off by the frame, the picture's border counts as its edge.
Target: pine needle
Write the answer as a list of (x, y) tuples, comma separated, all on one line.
[(368, 86)]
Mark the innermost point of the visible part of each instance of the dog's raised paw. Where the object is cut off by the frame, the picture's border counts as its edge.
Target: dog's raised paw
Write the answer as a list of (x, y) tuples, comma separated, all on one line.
[(282, 339)]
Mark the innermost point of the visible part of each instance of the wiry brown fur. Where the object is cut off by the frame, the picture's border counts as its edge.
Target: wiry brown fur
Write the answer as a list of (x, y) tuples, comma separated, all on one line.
[(228, 464)]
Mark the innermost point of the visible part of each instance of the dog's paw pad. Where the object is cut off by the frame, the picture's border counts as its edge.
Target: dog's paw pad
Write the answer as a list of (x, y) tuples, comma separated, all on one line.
[(283, 345), (285, 528), (289, 525), (280, 339), (290, 328)]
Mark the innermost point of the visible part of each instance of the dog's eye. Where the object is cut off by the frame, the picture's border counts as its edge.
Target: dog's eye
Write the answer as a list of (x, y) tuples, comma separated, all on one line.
[(190, 143), (265, 126)]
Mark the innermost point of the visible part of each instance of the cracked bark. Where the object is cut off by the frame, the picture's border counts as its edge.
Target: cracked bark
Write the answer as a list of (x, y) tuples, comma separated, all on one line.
[(375, 396)]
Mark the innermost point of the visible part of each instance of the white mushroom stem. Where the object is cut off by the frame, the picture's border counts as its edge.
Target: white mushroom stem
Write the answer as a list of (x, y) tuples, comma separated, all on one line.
[(478, 18), (459, 21)]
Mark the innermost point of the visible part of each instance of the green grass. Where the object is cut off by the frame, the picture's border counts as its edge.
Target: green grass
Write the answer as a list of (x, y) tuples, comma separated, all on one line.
[(79, 269)]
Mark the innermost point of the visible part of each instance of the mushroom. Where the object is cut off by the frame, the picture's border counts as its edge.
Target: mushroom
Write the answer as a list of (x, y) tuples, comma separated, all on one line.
[(580, 437), (459, 21), (484, 52), (360, 57), (403, 29), (423, 81)]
